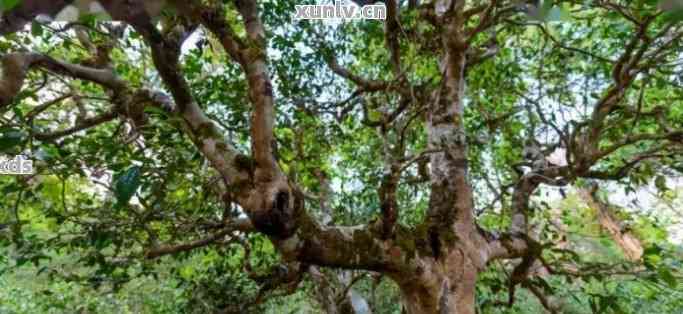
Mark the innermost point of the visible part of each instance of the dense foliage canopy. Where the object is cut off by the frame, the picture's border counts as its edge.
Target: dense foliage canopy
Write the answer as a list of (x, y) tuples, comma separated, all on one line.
[(459, 156)]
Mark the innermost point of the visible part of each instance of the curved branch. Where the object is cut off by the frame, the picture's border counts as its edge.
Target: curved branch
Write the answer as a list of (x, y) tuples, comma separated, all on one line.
[(243, 225), (44, 106), (84, 125), (356, 247), (203, 131), (363, 84), (15, 68)]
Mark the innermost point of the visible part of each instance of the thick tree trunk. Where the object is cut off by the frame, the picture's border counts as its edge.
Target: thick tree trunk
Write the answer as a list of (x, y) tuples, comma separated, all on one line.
[(459, 301), (444, 281), (442, 286)]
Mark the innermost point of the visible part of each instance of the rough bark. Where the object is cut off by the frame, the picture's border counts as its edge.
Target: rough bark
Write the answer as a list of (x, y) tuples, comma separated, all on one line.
[(443, 286), (445, 281)]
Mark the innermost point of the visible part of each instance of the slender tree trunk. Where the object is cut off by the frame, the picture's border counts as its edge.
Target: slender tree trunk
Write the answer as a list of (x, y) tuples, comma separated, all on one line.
[(627, 242)]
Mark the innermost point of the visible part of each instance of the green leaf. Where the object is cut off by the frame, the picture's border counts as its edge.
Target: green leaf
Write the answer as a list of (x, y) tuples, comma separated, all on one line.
[(21, 261), (47, 153), (9, 138), (652, 250), (652, 256), (666, 276), (91, 18), (374, 115), (36, 29), (155, 110), (660, 183), (8, 4), (126, 184)]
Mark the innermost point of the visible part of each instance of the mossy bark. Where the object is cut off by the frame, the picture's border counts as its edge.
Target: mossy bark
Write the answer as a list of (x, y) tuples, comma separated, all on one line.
[(440, 286)]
